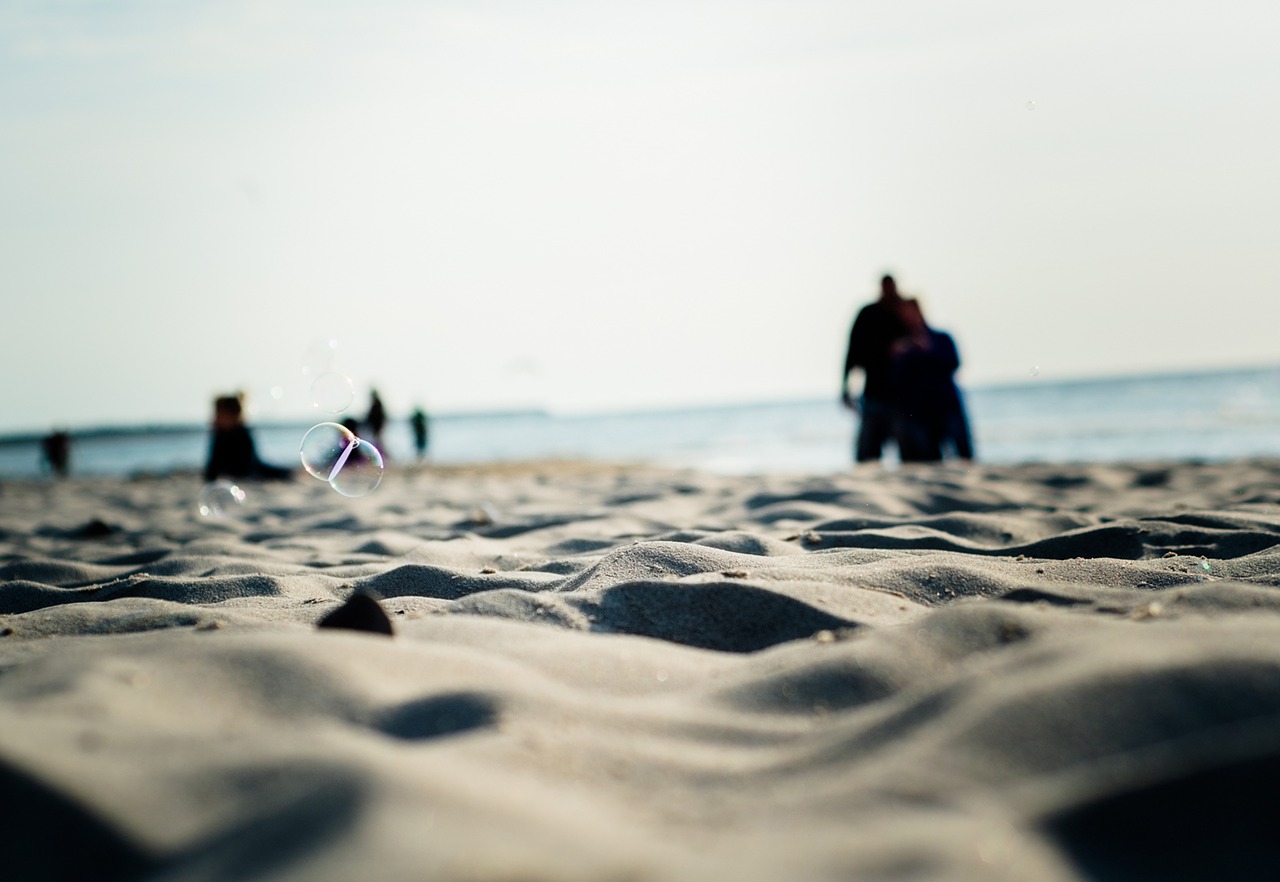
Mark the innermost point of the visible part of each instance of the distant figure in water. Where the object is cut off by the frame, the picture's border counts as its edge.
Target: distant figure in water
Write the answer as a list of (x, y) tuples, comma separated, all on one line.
[(421, 429), (231, 450), (929, 414), (56, 450)]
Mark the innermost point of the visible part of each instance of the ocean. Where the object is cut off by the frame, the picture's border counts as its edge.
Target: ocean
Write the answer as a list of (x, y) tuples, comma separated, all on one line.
[(1209, 416)]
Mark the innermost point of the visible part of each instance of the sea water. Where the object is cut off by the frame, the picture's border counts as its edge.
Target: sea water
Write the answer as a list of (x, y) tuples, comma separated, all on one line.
[(1204, 416)]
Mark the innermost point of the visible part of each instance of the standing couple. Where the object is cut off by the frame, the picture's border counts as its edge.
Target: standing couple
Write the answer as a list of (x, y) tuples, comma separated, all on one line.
[(909, 394)]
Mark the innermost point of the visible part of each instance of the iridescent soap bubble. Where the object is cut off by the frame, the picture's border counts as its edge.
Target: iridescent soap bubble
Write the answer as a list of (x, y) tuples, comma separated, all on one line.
[(362, 471), (332, 392), (220, 499), (333, 453), (324, 446)]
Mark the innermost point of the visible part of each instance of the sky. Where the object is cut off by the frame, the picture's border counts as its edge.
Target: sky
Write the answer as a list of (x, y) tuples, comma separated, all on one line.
[(588, 206)]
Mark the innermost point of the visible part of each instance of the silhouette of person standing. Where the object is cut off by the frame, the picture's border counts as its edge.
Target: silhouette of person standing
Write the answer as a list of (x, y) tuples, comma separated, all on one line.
[(56, 449), (929, 410), (421, 428), (376, 419), (874, 331), (231, 450)]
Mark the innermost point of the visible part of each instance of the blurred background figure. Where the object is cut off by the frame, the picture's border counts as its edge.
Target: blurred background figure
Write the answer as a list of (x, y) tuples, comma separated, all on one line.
[(231, 450), (874, 331), (376, 420), (55, 448), (929, 413), (421, 430)]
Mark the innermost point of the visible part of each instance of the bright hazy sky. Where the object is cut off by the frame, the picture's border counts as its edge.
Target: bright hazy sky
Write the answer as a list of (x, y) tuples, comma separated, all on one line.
[(604, 205)]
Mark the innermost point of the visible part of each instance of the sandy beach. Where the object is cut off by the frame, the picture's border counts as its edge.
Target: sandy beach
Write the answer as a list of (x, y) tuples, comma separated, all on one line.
[(614, 672)]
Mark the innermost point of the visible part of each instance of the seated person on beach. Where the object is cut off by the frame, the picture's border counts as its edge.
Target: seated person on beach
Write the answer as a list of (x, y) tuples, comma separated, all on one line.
[(928, 409), (231, 451)]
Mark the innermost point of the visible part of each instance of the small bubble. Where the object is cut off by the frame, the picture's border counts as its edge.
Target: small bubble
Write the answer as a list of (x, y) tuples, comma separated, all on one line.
[(1031, 105), (220, 499), (320, 358), (332, 392), (1035, 370)]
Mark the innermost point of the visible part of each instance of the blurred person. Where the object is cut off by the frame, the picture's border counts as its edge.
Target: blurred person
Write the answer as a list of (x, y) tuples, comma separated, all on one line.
[(376, 420), (55, 449), (232, 453), (929, 413), (874, 331), (421, 428)]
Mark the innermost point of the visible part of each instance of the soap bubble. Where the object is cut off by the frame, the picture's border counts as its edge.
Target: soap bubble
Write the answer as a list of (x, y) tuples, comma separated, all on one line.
[(362, 471), (332, 392), (1035, 370), (320, 358), (220, 499), (323, 446), (351, 465)]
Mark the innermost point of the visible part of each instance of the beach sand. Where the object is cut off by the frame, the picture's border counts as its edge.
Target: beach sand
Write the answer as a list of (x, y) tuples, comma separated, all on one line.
[(612, 672)]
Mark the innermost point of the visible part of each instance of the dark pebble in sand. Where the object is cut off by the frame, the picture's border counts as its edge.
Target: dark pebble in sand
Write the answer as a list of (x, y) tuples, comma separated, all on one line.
[(94, 529), (361, 612)]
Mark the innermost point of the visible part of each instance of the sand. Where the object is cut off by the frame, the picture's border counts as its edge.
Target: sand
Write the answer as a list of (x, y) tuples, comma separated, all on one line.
[(612, 672)]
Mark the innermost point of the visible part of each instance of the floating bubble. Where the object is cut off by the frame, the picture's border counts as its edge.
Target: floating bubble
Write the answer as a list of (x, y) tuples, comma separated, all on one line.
[(323, 446), (362, 471), (1035, 371), (332, 392), (220, 499), (1031, 105), (320, 358), (333, 453)]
